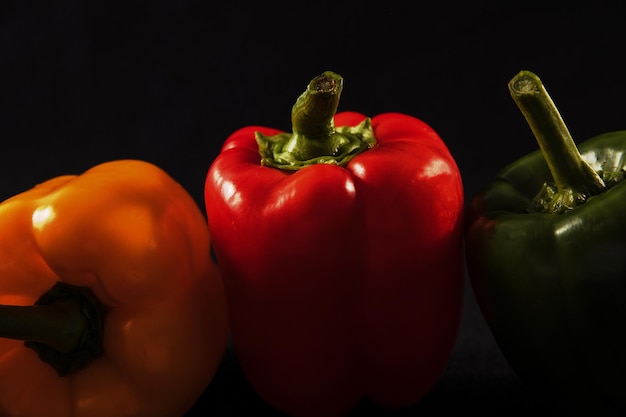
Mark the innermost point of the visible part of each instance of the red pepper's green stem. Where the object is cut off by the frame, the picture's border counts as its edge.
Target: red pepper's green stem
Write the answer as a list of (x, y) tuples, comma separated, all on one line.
[(64, 327), (312, 115), (575, 179), (315, 139)]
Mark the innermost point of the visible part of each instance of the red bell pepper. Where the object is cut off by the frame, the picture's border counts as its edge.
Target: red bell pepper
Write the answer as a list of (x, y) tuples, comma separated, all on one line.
[(341, 250)]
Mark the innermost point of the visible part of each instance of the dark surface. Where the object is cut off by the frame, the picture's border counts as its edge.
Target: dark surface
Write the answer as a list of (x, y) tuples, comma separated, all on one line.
[(167, 82)]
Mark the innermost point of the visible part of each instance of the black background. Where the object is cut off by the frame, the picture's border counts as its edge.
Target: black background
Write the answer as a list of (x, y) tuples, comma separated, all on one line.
[(167, 82)]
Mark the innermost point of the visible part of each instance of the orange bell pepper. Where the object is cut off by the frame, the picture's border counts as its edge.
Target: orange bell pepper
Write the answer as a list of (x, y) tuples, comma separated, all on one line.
[(135, 322)]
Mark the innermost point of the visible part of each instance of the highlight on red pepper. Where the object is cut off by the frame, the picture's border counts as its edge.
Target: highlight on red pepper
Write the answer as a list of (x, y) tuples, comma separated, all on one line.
[(111, 305), (340, 245), (545, 244)]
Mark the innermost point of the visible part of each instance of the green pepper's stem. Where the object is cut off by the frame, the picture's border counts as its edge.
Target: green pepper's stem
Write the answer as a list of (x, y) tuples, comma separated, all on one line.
[(575, 179), (64, 327), (315, 139)]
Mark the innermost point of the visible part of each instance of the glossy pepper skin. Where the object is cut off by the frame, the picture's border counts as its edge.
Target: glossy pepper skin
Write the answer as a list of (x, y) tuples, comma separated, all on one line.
[(344, 279), (545, 245), (131, 235)]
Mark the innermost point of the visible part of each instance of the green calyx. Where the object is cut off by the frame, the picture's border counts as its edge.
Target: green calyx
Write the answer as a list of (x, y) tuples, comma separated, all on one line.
[(64, 327), (315, 139), (574, 179)]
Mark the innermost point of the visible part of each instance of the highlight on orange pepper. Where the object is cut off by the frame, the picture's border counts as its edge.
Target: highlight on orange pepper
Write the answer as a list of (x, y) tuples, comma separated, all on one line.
[(111, 305)]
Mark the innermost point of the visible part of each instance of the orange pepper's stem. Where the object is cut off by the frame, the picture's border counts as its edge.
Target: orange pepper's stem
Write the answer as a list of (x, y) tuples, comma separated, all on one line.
[(64, 327), (58, 325)]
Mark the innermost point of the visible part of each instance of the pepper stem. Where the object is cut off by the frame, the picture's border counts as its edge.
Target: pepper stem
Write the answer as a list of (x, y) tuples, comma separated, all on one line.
[(574, 179), (64, 327), (312, 115), (315, 139)]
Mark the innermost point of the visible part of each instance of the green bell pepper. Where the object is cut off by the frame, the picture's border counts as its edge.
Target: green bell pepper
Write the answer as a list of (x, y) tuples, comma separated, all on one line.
[(546, 258)]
